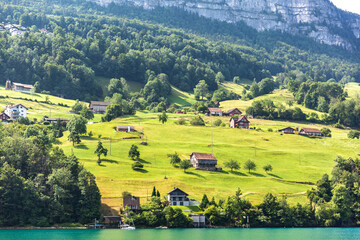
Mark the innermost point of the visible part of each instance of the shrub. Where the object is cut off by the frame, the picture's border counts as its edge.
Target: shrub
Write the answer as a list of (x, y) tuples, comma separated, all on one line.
[(180, 121), (218, 122), (197, 121), (354, 134), (270, 130), (326, 132)]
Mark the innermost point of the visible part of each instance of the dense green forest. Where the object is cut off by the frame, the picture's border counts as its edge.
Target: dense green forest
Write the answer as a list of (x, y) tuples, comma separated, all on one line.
[(40, 185), (89, 40)]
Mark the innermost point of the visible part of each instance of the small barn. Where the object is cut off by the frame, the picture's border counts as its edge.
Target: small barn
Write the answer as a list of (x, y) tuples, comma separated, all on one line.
[(214, 112), (241, 122), (132, 202), (233, 112), (98, 107), (4, 117), (125, 128), (288, 130), (311, 132), (204, 161)]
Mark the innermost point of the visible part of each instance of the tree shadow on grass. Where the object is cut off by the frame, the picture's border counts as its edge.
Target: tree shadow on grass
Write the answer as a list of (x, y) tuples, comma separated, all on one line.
[(141, 170), (195, 174), (275, 176), (239, 173), (81, 146), (109, 161), (143, 161), (257, 174)]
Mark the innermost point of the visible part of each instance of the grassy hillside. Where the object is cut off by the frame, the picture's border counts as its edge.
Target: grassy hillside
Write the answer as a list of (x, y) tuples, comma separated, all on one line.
[(353, 89), (298, 161)]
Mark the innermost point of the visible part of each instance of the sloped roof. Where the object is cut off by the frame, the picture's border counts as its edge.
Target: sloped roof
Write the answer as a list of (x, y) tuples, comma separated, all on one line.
[(243, 117), (125, 127), (16, 105), (178, 190), (204, 156), (23, 85), (99, 103), (214, 109), (287, 128), (311, 130), (231, 110)]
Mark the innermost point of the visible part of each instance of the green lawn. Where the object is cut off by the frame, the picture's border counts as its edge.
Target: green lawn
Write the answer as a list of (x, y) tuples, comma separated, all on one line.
[(297, 160), (353, 89), (181, 98)]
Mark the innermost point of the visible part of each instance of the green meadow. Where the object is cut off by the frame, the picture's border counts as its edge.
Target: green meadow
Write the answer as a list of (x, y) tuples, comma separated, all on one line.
[(298, 162)]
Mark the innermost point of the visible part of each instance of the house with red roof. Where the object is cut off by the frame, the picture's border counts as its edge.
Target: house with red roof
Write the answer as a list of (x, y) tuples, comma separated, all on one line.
[(311, 132)]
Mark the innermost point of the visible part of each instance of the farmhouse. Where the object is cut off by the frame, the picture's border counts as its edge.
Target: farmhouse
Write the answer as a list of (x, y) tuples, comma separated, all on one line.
[(19, 87), (233, 112), (98, 107), (288, 130), (214, 112), (4, 117), (311, 132), (241, 122), (177, 197), (125, 128), (204, 161), (16, 111), (132, 202)]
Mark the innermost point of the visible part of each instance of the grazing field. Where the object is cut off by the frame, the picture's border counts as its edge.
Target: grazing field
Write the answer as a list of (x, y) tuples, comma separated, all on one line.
[(298, 162), (353, 89)]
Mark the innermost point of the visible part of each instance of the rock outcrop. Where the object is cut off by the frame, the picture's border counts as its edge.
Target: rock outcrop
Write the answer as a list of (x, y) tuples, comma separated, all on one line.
[(318, 19)]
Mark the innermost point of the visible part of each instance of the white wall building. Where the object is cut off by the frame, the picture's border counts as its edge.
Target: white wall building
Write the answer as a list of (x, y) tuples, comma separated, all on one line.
[(16, 111)]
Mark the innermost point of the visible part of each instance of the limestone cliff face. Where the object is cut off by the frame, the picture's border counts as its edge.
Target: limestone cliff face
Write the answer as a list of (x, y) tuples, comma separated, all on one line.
[(318, 19)]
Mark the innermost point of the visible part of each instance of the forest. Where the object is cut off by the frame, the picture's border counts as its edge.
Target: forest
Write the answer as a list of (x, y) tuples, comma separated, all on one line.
[(39, 184)]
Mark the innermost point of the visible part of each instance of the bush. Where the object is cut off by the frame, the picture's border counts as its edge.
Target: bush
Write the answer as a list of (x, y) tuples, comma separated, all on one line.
[(353, 134), (180, 121), (218, 122), (270, 130), (197, 121), (326, 132)]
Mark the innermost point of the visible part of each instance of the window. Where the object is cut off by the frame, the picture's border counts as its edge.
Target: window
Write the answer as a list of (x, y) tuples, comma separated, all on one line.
[(174, 203), (181, 204)]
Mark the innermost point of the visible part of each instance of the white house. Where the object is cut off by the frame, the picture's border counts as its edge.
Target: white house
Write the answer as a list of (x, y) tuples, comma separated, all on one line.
[(177, 197), (16, 111)]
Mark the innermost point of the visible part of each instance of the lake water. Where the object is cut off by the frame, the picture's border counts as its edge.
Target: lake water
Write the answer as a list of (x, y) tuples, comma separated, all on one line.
[(185, 234)]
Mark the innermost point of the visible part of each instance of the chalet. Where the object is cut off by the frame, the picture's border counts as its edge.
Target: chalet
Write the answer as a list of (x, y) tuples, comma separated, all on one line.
[(214, 112), (55, 120), (288, 130), (177, 197), (19, 87), (241, 122), (198, 220), (132, 202), (16, 111), (311, 132), (98, 107), (4, 117), (112, 221), (233, 112), (125, 128), (204, 161)]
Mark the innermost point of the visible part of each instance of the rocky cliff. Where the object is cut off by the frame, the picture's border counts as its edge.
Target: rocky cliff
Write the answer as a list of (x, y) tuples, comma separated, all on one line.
[(318, 19)]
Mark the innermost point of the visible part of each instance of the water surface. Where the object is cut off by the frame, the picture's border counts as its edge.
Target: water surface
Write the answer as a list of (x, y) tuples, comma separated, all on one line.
[(184, 234)]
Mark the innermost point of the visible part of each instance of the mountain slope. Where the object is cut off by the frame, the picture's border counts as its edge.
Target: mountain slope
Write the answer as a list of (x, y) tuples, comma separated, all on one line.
[(318, 19)]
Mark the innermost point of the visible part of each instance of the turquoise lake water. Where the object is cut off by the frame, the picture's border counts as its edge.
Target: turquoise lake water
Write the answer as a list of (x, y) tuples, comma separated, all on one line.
[(184, 234)]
